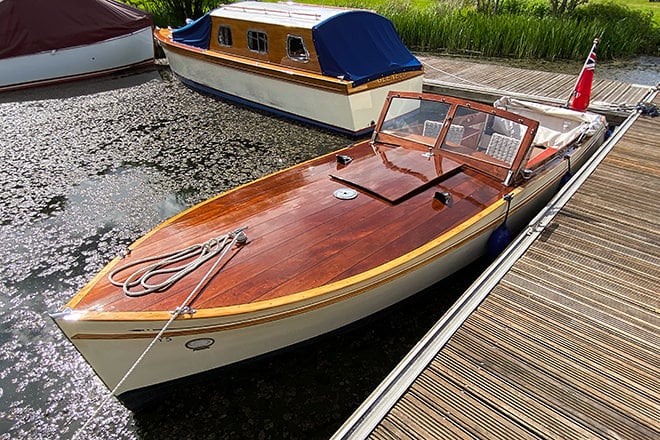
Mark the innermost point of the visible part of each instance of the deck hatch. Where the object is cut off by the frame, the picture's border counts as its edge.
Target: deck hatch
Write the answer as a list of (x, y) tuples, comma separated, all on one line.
[(395, 174)]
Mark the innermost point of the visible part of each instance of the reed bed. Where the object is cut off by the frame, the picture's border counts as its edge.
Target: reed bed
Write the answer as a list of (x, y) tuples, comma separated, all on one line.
[(442, 28), (524, 29)]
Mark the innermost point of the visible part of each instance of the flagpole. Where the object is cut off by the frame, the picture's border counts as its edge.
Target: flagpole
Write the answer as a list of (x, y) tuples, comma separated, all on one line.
[(584, 66)]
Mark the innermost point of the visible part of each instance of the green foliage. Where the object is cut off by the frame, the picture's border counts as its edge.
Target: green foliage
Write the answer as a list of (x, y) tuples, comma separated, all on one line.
[(530, 8), (174, 12), (524, 29)]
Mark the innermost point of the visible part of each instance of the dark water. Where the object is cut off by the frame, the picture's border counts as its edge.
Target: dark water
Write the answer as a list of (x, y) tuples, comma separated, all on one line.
[(90, 167)]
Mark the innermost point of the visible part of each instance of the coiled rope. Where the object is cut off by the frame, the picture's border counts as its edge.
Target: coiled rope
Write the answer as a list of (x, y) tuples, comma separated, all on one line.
[(163, 264), (206, 251)]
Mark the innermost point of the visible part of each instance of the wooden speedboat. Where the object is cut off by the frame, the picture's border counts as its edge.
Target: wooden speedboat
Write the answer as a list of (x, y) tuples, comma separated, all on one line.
[(327, 66), (325, 243), (44, 42)]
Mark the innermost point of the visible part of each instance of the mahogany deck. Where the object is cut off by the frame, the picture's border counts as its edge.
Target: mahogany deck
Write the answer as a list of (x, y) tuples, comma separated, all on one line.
[(295, 243), (566, 342)]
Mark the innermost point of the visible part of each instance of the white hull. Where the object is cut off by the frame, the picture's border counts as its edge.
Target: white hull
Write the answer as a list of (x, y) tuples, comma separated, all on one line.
[(113, 347), (104, 56), (353, 113)]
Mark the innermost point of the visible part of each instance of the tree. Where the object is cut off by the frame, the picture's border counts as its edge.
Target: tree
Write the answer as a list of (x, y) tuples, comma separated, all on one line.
[(182, 9)]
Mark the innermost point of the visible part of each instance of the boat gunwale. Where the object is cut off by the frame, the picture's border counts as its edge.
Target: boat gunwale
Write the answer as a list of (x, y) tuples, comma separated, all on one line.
[(281, 72)]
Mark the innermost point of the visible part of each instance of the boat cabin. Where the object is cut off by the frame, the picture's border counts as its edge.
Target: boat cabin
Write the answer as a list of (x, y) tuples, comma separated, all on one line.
[(353, 45)]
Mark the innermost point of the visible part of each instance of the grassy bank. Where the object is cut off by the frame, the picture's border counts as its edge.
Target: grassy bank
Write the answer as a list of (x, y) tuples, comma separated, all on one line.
[(523, 29)]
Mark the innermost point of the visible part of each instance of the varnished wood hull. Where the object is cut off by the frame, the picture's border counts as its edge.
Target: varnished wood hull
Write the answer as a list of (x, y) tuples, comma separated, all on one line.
[(111, 341), (326, 102)]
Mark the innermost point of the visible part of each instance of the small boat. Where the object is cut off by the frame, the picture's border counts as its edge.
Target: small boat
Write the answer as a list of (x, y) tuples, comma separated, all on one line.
[(327, 66), (46, 42), (325, 243)]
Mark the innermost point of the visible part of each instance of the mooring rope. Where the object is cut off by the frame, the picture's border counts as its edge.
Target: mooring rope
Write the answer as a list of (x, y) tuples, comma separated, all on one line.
[(207, 251), (163, 265), (451, 74)]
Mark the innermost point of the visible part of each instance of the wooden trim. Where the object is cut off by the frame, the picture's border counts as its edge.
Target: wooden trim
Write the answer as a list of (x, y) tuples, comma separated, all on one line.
[(282, 72), (277, 36)]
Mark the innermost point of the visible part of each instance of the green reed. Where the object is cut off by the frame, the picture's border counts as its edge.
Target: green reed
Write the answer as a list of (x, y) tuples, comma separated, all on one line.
[(442, 28), (524, 29)]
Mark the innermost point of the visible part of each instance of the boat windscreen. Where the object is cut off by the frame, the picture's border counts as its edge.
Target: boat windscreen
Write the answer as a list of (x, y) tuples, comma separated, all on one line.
[(484, 136), (418, 118)]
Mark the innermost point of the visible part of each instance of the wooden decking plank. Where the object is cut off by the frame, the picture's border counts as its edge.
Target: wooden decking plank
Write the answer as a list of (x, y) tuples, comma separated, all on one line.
[(504, 398), (471, 415), (572, 391), (573, 237), (576, 301), (596, 332), (610, 278), (430, 424), (464, 75), (630, 380)]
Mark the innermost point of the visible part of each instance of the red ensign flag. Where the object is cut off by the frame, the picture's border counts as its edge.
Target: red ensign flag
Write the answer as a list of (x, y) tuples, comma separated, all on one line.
[(579, 99)]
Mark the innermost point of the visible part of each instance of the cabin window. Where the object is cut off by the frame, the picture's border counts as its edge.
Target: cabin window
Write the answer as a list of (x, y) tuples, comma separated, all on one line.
[(257, 41), (296, 49), (224, 36)]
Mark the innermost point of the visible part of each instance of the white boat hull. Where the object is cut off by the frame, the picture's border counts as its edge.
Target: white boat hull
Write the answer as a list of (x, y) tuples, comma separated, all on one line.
[(353, 113), (113, 347), (75, 62)]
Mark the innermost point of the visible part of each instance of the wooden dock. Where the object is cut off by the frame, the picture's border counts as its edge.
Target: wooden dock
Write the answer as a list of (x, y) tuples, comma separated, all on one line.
[(488, 82), (560, 337)]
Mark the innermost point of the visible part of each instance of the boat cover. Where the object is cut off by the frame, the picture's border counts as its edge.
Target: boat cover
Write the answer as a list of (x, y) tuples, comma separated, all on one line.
[(33, 26), (558, 126), (356, 45), (196, 33), (361, 46)]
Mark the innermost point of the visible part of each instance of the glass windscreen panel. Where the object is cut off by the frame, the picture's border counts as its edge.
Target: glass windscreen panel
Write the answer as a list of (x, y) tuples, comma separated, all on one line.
[(484, 136), (417, 119)]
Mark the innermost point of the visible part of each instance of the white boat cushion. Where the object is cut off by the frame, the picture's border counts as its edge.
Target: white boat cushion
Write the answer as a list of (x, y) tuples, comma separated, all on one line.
[(432, 129), (503, 148)]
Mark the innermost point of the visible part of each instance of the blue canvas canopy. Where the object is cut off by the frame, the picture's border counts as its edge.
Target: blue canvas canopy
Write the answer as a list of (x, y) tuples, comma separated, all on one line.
[(197, 33), (361, 46)]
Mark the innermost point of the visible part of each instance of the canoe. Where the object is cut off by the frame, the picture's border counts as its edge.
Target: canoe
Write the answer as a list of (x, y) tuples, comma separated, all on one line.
[(47, 42), (287, 58), (325, 243)]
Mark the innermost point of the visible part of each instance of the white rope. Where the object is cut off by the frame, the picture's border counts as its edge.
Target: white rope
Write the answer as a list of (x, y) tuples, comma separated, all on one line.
[(163, 265), (237, 236), (452, 75)]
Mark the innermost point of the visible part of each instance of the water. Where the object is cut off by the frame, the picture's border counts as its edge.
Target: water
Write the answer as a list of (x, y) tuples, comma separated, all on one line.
[(87, 168)]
